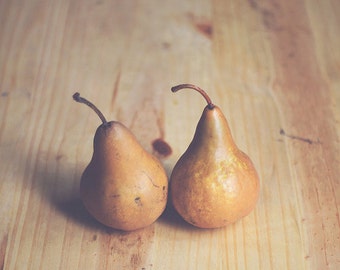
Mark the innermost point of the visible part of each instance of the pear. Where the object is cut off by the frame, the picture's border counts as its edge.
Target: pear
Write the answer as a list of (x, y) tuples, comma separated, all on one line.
[(123, 186), (213, 183)]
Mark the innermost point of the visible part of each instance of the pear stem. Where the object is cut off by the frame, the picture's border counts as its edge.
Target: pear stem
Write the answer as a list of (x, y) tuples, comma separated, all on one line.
[(198, 89), (78, 98)]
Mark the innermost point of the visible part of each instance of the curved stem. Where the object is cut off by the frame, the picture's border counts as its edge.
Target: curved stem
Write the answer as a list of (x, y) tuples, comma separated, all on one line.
[(198, 89), (78, 98)]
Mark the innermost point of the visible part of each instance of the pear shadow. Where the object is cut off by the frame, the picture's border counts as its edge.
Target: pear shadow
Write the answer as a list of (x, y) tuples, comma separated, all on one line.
[(58, 183), (73, 208), (171, 218)]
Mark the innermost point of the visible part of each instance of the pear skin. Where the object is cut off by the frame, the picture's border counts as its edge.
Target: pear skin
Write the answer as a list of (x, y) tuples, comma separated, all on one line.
[(123, 186), (213, 183)]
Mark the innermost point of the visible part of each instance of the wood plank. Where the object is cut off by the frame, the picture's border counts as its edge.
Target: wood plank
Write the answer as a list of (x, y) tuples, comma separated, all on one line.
[(271, 66)]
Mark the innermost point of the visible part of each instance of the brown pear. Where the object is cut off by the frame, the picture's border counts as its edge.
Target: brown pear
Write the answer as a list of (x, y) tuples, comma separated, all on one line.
[(123, 186), (213, 183)]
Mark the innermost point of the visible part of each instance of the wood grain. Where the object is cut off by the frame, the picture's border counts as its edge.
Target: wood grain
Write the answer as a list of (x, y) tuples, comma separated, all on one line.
[(273, 68)]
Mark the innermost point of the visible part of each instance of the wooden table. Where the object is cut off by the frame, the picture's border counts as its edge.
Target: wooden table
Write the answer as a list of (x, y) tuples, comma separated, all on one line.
[(272, 66)]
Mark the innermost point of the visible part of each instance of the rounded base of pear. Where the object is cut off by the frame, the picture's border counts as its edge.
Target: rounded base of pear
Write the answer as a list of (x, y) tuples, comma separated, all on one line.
[(210, 224), (215, 213), (134, 223)]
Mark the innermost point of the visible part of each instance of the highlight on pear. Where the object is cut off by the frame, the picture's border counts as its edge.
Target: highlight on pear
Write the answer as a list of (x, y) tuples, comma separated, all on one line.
[(213, 183), (123, 186)]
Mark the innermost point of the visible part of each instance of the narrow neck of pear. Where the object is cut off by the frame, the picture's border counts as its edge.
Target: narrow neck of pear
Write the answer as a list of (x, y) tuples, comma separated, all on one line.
[(214, 128)]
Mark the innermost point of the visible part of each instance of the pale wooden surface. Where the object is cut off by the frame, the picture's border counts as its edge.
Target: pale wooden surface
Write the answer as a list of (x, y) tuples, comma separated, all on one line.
[(272, 66)]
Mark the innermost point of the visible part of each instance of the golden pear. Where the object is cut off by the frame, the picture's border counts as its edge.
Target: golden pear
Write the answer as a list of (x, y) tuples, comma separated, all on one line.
[(123, 186), (213, 183)]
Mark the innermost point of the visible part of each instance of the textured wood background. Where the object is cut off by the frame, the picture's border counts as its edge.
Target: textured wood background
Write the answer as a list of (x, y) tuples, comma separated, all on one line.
[(272, 66)]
